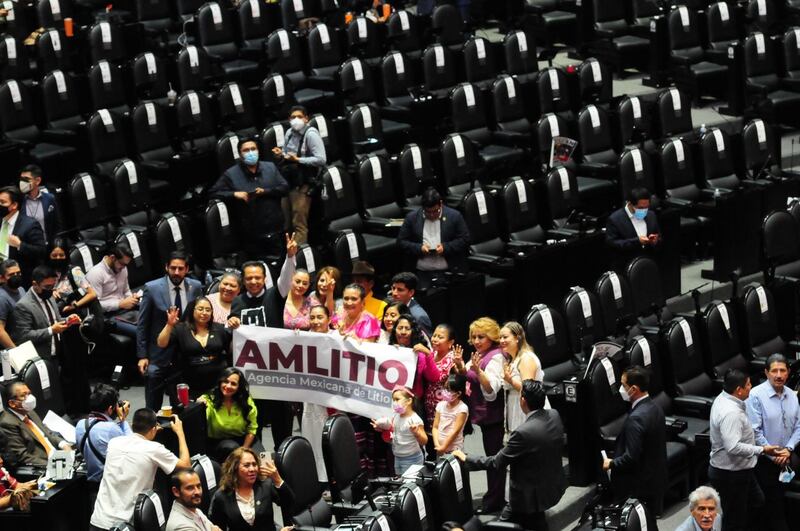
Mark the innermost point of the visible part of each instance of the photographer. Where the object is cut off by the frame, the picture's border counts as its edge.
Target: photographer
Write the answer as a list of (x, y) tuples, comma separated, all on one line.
[(106, 422), (300, 161)]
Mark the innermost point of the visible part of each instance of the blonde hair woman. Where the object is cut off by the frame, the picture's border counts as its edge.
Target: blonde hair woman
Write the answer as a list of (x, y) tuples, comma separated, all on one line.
[(522, 364)]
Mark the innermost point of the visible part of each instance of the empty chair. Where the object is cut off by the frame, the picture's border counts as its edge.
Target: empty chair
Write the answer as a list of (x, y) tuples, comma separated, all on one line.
[(760, 321), (762, 16), (293, 11), (107, 87), (599, 157), (616, 302), (398, 80), (236, 111), (277, 96), (760, 159), (549, 126), (296, 464), (439, 70), (642, 12), (414, 169), (562, 198), (155, 17), (674, 110), (693, 72), (634, 119), (379, 195), (583, 319), (791, 56), (172, 234), (547, 334), (613, 41), (132, 197), (366, 130), (215, 34), (151, 136), (107, 141), (459, 160), (685, 356), (594, 82), (195, 121), (765, 89), (223, 238), (520, 55), (254, 27), (554, 20), (718, 161), (319, 122), (781, 241), (348, 248), (448, 26), (140, 269), (509, 111), (486, 248), (325, 54), (148, 514), (285, 57), (194, 67), (721, 336), (364, 40), (403, 34), (14, 60), (342, 460), (553, 91), (722, 29), (91, 209), (54, 51), (62, 109), (106, 42), (479, 62), (150, 78), (524, 222), (357, 86), (636, 171)]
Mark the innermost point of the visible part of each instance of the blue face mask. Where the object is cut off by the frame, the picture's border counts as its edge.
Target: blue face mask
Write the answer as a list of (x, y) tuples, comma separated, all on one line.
[(251, 158), (640, 213)]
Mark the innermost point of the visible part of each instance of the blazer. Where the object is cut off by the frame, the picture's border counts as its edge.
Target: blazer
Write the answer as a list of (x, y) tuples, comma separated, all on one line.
[(224, 511), (181, 520), (533, 452), (620, 233), (51, 223), (455, 238), (33, 248), (29, 322), (22, 447), (688, 524), (158, 297), (639, 467)]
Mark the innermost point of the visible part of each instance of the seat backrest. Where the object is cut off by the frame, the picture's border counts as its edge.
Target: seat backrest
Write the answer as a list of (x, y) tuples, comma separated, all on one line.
[(365, 124), (148, 514), (195, 118), (323, 47), (49, 398), (674, 112), (89, 205), (412, 517), (273, 135), (634, 119), (791, 54), (686, 358), (760, 60), (14, 60), (781, 237), (140, 269), (594, 131), (438, 68), (683, 31), (227, 151), (210, 473), (718, 160), (277, 95), (403, 31), (340, 452), (520, 53), (293, 11), (604, 376), (549, 125), (150, 128), (363, 38), (16, 113), (215, 32), (509, 108), (466, 104), (722, 25), (760, 316), (562, 194), (84, 256), (644, 353), (397, 75), (106, 136), (458, 160), (553, 90), (297, 466), (480, 215), (61, 100), (235, 108), (338, 195), (355, 82), (479, 63), (375, 182), (447, 24), (758, 140), (307, 258), (453, 493), (615, 300), (53, 50), (106, 86), (594, 82), (414, 166), (677, 169), (193, 67), (636, 171), (608, 14), (150, 76), (348, 247), (172, 234), (644, 278), (148, 10), (630, 519), (222, 236), (130, 186), (584, 321), (761, 15), (51, 13), (547, 334), (254, 22), (284, 53), (106, 42), (722, 338), (319, 122), (522, 216)]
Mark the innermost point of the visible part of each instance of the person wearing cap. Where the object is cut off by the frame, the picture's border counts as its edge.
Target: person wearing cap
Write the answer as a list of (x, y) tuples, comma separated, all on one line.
[(364, 275)]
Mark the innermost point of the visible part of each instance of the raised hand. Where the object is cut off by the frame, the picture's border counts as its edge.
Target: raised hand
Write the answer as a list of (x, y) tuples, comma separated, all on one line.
[(291, 245), (172, 316)]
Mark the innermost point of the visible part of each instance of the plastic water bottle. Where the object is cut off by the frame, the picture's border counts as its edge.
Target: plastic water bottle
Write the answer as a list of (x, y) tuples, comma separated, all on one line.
[(171, 95), (702, 129)]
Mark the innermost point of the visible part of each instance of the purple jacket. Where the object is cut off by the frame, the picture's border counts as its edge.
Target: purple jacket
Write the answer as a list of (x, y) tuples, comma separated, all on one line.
[(482, 412)]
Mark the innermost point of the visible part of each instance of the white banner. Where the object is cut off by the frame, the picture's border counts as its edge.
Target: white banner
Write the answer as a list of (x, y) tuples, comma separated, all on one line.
[(328, 370)]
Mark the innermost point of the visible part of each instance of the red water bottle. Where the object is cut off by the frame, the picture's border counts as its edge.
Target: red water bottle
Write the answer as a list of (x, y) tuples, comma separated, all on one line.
[(183, 394)]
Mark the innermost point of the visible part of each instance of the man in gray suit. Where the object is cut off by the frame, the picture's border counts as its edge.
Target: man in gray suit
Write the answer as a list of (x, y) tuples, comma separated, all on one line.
[(28, 440), (704, 506), (185, 514), (36, 317), (533, 452), (157, 364)]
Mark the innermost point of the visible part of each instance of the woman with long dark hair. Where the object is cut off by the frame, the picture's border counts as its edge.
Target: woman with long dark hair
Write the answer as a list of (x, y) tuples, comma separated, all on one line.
[(231, 415)]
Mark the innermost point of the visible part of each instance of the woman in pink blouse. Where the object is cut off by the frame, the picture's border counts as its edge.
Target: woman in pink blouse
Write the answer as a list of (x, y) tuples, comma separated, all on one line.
[(443, 343), (355, 321), (298, 306)]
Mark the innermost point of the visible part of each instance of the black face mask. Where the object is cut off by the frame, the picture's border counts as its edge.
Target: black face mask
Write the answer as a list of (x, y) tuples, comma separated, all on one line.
[(14, 281), (3, 211), (46, 294), (59, 264)]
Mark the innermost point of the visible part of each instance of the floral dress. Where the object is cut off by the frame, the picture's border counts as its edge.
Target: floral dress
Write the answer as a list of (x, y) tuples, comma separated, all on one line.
[(434, 389), (299, 321)]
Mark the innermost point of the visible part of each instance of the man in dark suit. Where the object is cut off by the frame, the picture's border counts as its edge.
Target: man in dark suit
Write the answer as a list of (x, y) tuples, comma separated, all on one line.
[(633, 229), (157, 364), (28, 440), (262, 306), (21, 238), (639, 467), (36, 318), (37, 203), (434, 238), (533, 452)]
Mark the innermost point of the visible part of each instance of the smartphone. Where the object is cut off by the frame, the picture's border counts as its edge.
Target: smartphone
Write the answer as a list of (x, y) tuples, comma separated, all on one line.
[(164, 422), (264, 456)]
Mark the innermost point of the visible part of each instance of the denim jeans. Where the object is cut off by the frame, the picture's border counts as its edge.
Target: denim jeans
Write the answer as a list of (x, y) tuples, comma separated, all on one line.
[(402, 463)]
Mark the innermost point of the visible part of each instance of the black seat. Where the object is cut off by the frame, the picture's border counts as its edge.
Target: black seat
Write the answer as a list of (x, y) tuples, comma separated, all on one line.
[(342, 461), (649, 303), (439, 70), (196, 123), (616, 302), (133, 194), (210, 473), (62, 103), (554, 93), (791, 56), (404, 35), (636, 171), (293, 11), (633, 114), (140, 269), (761, 326), (297, 466), (54, 51), (406, 510), (398, 79), (325, 55), (452, 491), (510, 117), (366, 130), (195, 71), (775, 98), (722, 29), (277, 97), (150, 79), (332, 152), (547, 334), (236, 111), (479, 62), (222, 236), (523, 219), (50, 13), (448, 26), (357, 86), (594, 83), (674, 110), (107, 140), (378, 191), (151, 137), (549, 126), (14, 58), (585, 324), (254, 28), (51, 398), (459, 160), (364, 40), (562, 198), (599, 159), (760, 159), (613, 41), (781, 240), (227, 151), (762, 16), (90, 208), (285, 57), (348, 248), (721, 337), (486, 247), (721, 172), (414, 169), (552, 21), (216, 35), (146, 517), (520, 55), (106, 42), (172, 234), (107, 88), (688, 372)]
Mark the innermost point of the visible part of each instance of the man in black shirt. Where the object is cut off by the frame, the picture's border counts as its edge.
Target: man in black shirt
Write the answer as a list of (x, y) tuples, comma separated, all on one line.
[(259, 186), (262, 306)]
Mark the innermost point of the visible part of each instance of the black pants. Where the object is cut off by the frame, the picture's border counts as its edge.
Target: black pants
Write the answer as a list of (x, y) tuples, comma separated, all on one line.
[(742, 498), (73, 358), (774, 507), (494, 499), (279, 415)]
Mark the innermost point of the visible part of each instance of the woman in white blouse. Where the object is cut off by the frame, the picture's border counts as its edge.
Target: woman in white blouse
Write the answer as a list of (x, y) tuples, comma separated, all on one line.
[(522, 364)]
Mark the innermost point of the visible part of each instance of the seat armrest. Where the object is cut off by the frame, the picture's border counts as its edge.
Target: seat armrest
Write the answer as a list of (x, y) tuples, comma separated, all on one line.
[(156, 165), (59, 135), (711, 193), (603, 34), (693, 406), (563, 233), (674, 426), (513, 138), (494, 265), (756, 183), (381, 226), (678, 202), (594, 169)]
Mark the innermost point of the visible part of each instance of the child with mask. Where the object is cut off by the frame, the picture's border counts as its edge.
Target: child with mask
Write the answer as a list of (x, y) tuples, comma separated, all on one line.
[(406, 431), (451, 416)]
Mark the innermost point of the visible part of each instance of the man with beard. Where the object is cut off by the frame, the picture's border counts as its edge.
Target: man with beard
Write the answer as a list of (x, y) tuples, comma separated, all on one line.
[(186, 514), (109, 279), (157, 364), (10, 293)]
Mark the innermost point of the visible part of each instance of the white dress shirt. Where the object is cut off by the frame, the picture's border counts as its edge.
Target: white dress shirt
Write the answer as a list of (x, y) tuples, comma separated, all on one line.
[(11, 222), (432, 237)]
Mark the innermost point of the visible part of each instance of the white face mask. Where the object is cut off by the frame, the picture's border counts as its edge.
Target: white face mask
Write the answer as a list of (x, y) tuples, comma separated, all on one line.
[(297, 124), (624, 394), (25, 187), (29, 404), (786, 475)]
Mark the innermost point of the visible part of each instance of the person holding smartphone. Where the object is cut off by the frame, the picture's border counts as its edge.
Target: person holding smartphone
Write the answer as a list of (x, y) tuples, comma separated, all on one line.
[(249, 485), (633, 230)]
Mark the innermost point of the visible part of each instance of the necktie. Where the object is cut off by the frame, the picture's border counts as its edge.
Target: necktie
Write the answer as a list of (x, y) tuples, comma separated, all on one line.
[(48, 448), (4, 240), (51, 318), (178, 304)]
